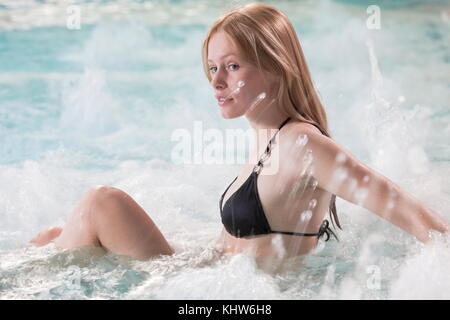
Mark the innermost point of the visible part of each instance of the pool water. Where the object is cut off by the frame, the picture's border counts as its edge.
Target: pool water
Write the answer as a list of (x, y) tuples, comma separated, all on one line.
[(98, 106)]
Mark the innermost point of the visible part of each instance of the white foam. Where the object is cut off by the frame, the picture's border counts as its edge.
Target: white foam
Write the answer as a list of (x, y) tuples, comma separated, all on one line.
[(183, 200)]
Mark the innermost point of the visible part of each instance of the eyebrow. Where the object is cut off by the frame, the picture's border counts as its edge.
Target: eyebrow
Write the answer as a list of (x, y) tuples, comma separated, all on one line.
[(224, 56)]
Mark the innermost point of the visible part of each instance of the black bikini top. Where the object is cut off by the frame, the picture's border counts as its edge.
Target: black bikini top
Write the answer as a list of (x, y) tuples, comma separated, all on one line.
[(243, 214)]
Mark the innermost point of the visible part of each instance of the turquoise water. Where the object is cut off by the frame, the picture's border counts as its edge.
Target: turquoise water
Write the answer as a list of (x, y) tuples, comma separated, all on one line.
[(98, 105)]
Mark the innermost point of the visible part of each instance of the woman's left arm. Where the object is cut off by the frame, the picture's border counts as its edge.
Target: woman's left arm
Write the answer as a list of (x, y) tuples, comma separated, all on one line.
[(339, 172)]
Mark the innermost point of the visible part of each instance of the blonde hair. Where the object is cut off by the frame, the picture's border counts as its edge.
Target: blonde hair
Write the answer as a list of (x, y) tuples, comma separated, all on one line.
[(264, 34)]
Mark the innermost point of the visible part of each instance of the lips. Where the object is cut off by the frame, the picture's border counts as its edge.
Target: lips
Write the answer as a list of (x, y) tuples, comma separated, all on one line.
[(222, 101)]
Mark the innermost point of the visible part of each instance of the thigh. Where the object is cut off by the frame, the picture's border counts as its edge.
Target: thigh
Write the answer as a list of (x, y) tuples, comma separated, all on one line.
[(123, 227), (114, 220)]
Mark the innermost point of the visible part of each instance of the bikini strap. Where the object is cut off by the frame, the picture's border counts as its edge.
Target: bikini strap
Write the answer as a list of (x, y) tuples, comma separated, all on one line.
[(266, 153), (324, 230), (223, 194)]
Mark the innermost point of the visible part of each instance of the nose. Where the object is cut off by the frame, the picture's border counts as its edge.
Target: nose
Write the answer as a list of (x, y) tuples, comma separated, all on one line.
[(218, 80)]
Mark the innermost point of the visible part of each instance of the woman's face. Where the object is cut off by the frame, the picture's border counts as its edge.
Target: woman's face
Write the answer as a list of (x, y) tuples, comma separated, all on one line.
[(227, 68)]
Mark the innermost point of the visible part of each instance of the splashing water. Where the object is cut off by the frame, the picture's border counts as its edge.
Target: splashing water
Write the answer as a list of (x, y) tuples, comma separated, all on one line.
[(100, 106), (240, 84), (258, 99)]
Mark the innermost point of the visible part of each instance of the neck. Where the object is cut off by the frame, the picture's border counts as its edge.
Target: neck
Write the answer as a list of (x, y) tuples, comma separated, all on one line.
[(265, 120), (267, 115)]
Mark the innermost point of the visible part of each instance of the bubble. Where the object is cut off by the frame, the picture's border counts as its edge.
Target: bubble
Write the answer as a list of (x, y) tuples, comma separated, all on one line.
[(312, 204), (366, 179)]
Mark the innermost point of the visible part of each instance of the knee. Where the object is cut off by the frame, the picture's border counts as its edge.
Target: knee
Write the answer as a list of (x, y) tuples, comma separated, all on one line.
[(102, 194), (99, 191), (104, 198)]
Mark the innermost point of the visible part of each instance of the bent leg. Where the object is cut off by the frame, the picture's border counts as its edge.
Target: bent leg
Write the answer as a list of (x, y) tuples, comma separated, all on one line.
[(110, 218)]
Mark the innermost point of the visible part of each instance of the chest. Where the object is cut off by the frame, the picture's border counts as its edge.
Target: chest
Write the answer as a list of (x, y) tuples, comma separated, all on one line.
[(284, 196)]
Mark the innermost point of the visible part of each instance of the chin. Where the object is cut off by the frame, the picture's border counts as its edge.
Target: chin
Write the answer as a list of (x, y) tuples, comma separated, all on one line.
[(231, 115), (226, 115)]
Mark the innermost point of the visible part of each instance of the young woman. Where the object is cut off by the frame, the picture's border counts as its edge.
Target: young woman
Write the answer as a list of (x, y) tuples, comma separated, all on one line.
[(275, 207)]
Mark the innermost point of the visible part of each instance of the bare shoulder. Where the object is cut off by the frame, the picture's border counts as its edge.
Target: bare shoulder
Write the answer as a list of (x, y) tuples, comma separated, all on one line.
[(298, 138), (303, 139), (296, 128), (302, 134), (326, 158), (305, 126)]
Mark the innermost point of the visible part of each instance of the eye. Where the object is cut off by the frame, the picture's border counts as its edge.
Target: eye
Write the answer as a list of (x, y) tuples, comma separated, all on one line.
[(232, 66)]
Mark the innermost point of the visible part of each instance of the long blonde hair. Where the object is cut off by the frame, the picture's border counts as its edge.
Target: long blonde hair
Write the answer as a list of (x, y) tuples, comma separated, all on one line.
[(264, 34)]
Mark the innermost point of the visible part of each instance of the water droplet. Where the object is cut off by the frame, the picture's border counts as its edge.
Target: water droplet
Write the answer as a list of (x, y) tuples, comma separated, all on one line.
[(366, 179), (341, 157), (308, 157), (296, 186), (340, 174), (312, 204), (302, 140), (258, 99), (390, 204), (353, 184), (240, 84), (278, 245), (306, 215), (361, 195)]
